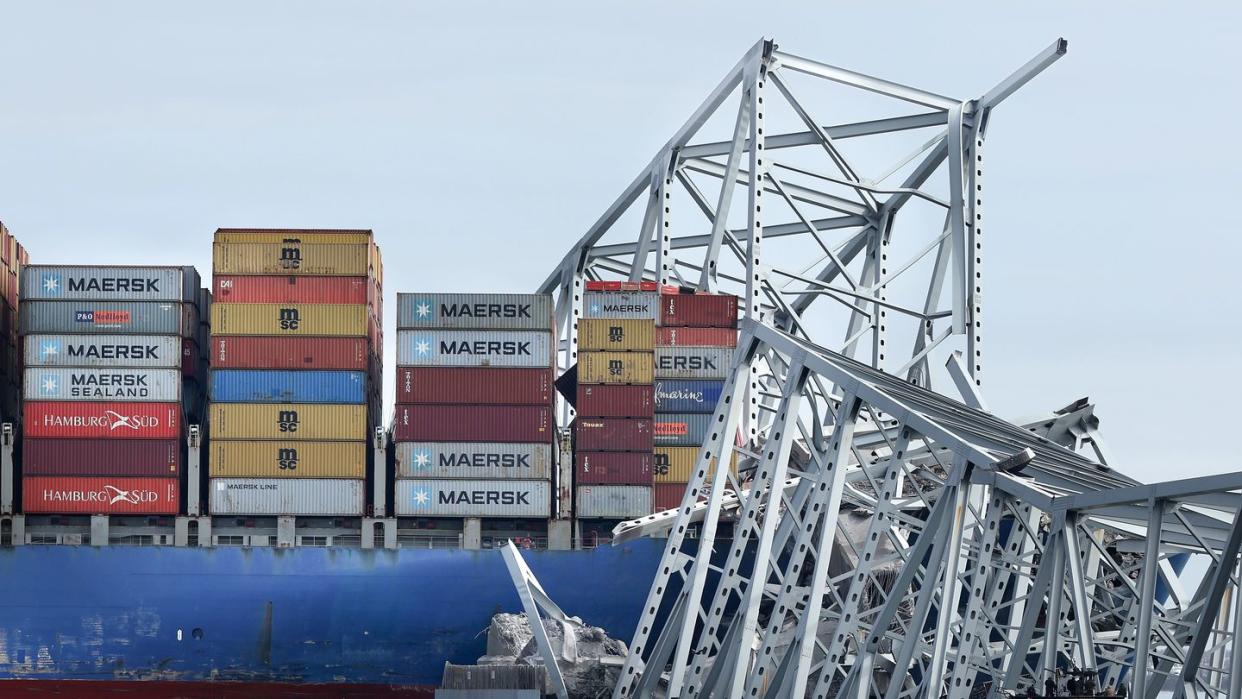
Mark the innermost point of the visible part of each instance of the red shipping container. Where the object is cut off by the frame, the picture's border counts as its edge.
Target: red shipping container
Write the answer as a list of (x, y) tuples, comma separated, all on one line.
[(294, 289), (699, 310), (629, 286), (189, 357), (91, 420), (667, 496), (470, 423), (474, 386), (350, 353), (613, 434), (615, 400), (101, 496), (696, 337), (101, 457), (613, 467)]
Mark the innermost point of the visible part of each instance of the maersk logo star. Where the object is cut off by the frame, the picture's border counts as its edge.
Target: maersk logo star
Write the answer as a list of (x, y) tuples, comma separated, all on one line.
[(422, 498), (422, 347), (51, 348), (50, 385), (422, 459), (51, 284), (422, 309), (594, 308)]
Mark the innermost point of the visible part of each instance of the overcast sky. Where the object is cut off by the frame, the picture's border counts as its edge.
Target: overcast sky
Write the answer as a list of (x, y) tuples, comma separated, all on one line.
[(479, 142)]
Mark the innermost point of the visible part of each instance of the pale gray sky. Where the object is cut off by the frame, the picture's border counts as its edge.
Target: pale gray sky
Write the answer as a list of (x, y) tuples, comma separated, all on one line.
[(479, 140)]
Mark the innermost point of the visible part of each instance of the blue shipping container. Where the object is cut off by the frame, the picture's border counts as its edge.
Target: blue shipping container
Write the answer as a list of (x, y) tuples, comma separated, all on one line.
[(686, 396), (264, 386)]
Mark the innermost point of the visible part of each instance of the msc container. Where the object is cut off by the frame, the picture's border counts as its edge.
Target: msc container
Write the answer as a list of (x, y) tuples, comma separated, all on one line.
[(619, 335), (613, 467), (687, 396), (281, 320), (294, 353), (294, 289), (433, 498), (156, 351), (502, 348), (475, 386), (277, 386), (615, 400), (101, 495), (699, 310), (329, 236), (475, 311), (696, 337), (676, 464), (129, 317), (288, 421), (682, 430), (612, 434), (613, 501), (337, 260), (469, 423), (615, 367), (111, 384), (693, 362), (482, 460), (98, 457), (611, 304), (90, 420), (287, 496), (119, 283), (287, 459)]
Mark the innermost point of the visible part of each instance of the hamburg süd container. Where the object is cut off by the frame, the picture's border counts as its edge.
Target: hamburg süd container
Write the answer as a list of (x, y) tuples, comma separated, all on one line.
[(610, 304), (613, 467), (93, 420), (474, 311), (499, 348), (352, 353), (615, 368), (607, 335), (470, 423), (97, 457), (693, 362), (676, 464), (696, 337), (682, 429), (613, 434), (102, 495), (287, 496), (280, 320), (112, 317), (612, 501), (615, 400), (119, 283), (336, 260), (479, 460), (698, 310), (287, 459), (105, 384), (277, 386), (475, 386), (687, 395), (288, 421), (295, 289), (154, 351), (475, 498)]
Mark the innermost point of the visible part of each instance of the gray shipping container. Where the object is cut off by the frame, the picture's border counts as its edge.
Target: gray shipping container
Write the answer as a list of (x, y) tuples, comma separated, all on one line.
[(114, 317), (160, 351), (681, 429), (639, 305), (112, 283), (480, 460), (613, 501), (460, 498), (501, 348), (287, 496), (693, 362), (475, 311), (103, 384)]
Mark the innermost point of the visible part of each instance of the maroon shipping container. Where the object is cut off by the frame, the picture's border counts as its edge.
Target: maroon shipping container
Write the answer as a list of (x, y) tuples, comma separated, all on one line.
[(230, 288), (613, 468), (696, 337), (471, 423), (350, 353), (615, 401), (698, 310), (101, 457), (90, 420), (189, 357), (101, 496), (667, 496), (474, 386), (612, 434)]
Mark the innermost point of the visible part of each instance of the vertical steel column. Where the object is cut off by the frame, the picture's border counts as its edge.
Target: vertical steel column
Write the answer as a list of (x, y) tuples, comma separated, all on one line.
[(1147, 599), (754, 228), (664, 251), (1235, 650), (1078, 594), (947, 612), (379, 473), (974, 254), (1056, 593), (193, 471), (7, 473)]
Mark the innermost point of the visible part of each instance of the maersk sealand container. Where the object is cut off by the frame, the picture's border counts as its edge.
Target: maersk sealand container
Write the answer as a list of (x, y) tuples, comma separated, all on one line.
[(111, 283), (278, 386)]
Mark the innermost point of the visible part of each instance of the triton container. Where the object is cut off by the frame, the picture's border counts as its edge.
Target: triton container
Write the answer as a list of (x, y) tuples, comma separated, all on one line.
[(474, 498), (613, 434)]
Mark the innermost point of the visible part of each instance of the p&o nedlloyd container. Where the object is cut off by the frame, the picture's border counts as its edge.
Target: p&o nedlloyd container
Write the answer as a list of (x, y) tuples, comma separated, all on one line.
[(474, 311), (105, 384), (153, 351), (490, 348), (136, 317), (287, 496), (473, 498), (111, 283), (477, 460)]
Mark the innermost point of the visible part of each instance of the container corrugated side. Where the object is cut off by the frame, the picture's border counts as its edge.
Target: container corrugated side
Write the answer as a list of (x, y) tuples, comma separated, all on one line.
[(90, 420), (681, 429), (479, 460), (597, 400), (284, 320), (112, 317), (119, 283), (610, 304), (613, 468), (104, 384), (295, 353), (288, 421), (612, 434), (693, 362), (616, 368), (287, 496), (498, 348), (294, 289), (470, 423), (278, 386), (287, 459), (699, 310), (676, 464), (687, 395), (154, 351), (620, 335), (696, 337), (613, 501), (101, 457), (474, 311), (475, 498), (325, 236), (475, 386), (336, 260), (100, 495)]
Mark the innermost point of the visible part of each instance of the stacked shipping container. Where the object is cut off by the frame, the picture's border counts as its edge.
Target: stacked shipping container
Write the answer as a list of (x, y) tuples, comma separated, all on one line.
[(474, 427), (114, 370), (295, 382), (12, 258)]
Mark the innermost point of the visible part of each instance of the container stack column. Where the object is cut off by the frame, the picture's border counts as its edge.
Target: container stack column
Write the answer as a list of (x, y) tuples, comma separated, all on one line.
[(12, 258)]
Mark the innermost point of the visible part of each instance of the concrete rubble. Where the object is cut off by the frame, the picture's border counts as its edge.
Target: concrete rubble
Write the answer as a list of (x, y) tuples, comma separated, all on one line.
[(589, 659)]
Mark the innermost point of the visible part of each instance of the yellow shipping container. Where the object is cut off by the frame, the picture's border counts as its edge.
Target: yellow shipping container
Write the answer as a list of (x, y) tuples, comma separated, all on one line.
[(308, 319), (675, 464), (616, 335), (616, 367), (240, 459), (274, 235), (287, 421), (294, 258)]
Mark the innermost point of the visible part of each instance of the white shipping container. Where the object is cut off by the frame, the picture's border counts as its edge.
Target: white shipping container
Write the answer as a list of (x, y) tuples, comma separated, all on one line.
[(693, 362), (157, 351), (111, 283), (478, 460), (640, 305), (485, 311), (111, 384), (287, 496), (613, 501), (501, 348), (453, 498)]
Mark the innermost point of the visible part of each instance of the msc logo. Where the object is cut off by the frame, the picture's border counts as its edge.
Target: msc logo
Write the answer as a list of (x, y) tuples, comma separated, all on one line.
[(616, 333), (616, 367), (51, 284), (289, 319), (287, 459), (287, 420), (661, 464), (290, 258)]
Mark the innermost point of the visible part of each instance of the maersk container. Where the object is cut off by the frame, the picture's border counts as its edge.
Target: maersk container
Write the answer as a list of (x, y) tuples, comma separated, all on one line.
[(613, 467), (613, 501), (105, 495), (497, 348), (698, 310), (601, 334), (294, 289), (101, 457), (326, 236), (285, 320), (287, 496), (615, 400), (619, 305), (612, 434), (102, 384), (288, 421), (615, 367), (353, 353), (470, 423), (276, 386), (693, 362), (682, 430), (687, 396), (92, 420), (155, 351), (696, 337), (111, 283), (480, 460), (335, 260), (474, 311), (474, 498), (287, 459), (112, 317), (475, 386), (676, 464)]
